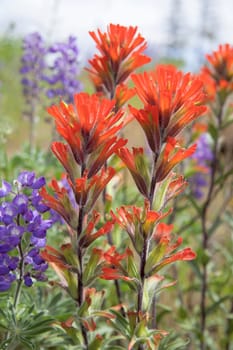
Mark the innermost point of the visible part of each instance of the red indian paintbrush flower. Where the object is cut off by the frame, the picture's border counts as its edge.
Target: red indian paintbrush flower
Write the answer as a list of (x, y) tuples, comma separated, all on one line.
[(89, 126), (88, 236), (136, 164), (218, 74), (88, 190), (112, 268), (60, 202), (120, 51), (164, 251), (168, 189), (221, 63), (65, 156), (176, 98), (138, 222), (171, 155)]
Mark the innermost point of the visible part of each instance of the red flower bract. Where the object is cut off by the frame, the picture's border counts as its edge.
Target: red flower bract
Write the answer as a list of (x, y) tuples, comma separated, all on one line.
[(60, 202), (89, 126), (221, 63), (120, 54), (176, 98), (217, 75), (171, 155), (88, 190)]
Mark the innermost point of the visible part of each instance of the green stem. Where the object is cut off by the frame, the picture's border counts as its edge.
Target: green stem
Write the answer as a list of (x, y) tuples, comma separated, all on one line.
[(18, 287), (80, 253), (142, 277), (205, 235), (18, 291), (151, 199), (21, 271)]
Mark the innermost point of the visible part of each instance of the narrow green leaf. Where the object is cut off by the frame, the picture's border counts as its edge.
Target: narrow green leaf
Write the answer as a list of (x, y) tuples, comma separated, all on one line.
[(215, 305), (213, 131)]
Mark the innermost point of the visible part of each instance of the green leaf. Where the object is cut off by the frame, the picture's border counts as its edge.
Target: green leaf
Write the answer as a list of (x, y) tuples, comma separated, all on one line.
[(91, 269), (114, 347), (120, 323), (96, 344), (173, 342), (196, 268), (161, 194), (194, 204), (216, 305), (25, 341), (213, 131), (155, 256), (2, 326), (132, 267)]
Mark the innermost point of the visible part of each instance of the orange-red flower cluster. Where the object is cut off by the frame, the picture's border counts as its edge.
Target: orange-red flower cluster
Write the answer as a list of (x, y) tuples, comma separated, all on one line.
[(60, 202), (113, 268), (171, 154), (217, 75), (171, 100), (120, 53), (139, 223), (164, 252), (89, 127)]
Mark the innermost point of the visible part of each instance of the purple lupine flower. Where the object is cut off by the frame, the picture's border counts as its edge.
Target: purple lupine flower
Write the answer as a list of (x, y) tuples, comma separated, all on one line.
[(5, 189), (26, 178), (64, 70), (6, 281), (37, 202), (38, 242), (203, 153), (8, 212), (20, 201), (28, 280), (22, 227), (33, 64), (202, 157)]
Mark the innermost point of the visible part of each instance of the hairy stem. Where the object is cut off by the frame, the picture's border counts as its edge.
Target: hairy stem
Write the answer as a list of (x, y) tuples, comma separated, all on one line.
[(151, 199), (80, 291), (80, 253)]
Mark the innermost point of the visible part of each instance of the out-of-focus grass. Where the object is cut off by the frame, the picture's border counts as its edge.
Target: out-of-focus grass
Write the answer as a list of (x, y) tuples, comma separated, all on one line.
[(10, 94)]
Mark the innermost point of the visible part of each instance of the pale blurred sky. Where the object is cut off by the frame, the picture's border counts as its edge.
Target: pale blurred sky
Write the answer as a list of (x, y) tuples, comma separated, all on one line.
[(56, 19)]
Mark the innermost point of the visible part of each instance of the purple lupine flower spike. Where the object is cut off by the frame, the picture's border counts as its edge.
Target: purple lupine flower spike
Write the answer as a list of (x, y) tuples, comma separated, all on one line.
[(33, 64), (63, 78), (21, 221), (203, 156)]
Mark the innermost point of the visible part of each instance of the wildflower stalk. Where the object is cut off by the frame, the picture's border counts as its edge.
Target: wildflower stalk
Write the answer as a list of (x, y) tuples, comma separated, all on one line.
[(32, 70), (32, 126), (205, 231), (20, 279), (80, 290), (18, 289), (144, 254), (151, 198)]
